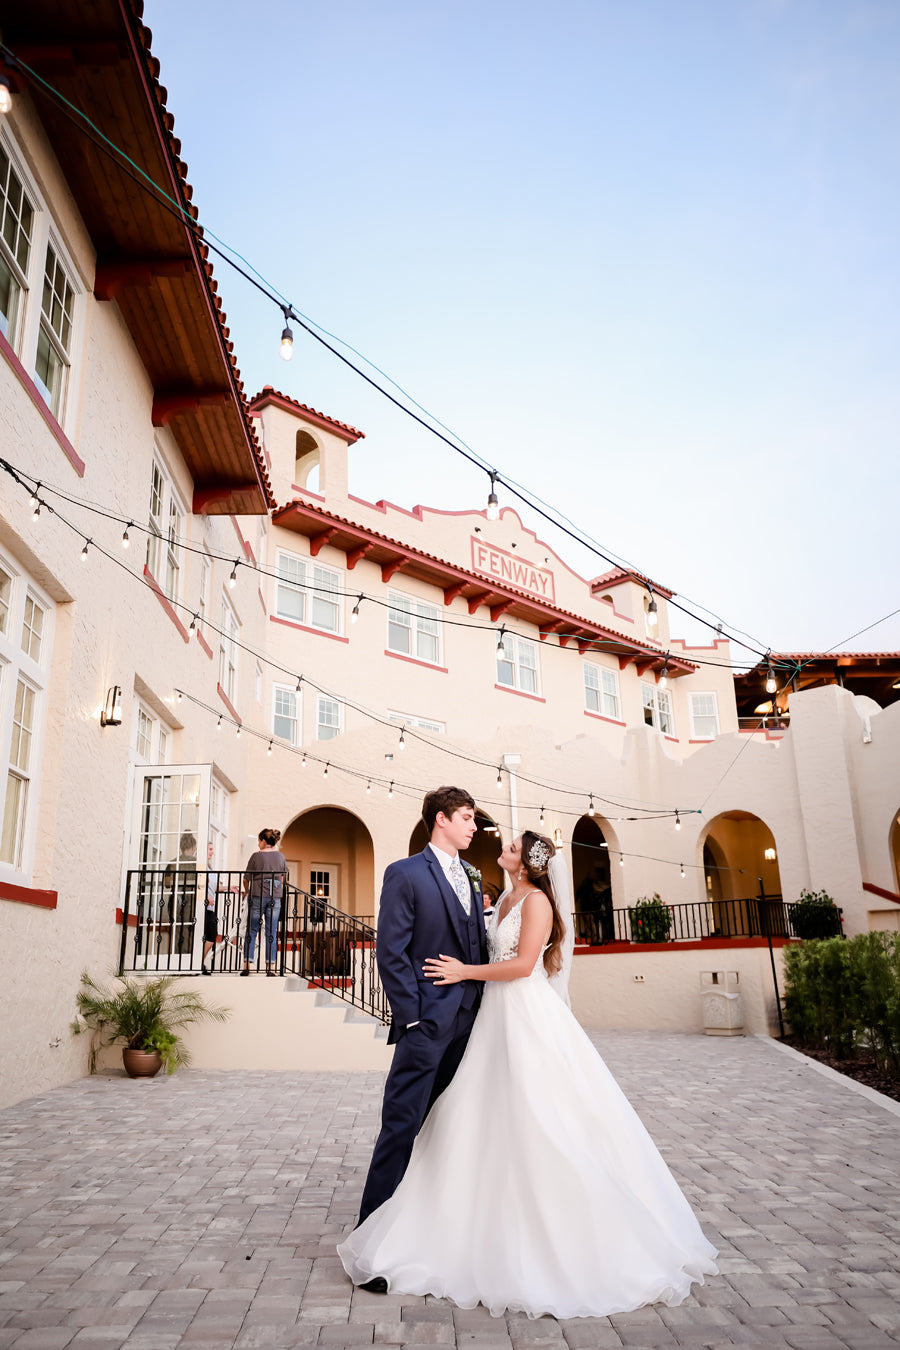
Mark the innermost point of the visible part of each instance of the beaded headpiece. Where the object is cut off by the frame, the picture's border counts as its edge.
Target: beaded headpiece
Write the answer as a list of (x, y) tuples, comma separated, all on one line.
[(537, 857)]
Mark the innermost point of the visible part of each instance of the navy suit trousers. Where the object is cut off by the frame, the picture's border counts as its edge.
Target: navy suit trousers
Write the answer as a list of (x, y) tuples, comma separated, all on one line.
[(425, 1060)]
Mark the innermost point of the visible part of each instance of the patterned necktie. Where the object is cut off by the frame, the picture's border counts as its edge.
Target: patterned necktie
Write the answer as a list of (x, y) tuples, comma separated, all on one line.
[(461, 885)]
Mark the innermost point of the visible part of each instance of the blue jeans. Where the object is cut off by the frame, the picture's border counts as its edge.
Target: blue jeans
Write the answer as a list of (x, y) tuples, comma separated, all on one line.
[(270, 910)]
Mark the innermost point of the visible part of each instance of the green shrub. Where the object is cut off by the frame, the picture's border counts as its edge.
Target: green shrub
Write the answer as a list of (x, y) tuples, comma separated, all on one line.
[(650, 919), (815, 915), (844, 997)]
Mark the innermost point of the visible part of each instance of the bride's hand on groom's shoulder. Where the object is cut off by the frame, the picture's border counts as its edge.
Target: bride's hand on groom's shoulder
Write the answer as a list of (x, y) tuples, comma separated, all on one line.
[(444, 969)]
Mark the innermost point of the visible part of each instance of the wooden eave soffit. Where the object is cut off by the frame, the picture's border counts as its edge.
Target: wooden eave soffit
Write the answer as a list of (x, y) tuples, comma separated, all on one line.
[(110, 277), (167, 406)]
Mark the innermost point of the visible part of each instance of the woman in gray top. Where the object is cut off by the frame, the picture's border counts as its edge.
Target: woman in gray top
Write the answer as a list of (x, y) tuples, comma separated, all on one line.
[(264, 880)]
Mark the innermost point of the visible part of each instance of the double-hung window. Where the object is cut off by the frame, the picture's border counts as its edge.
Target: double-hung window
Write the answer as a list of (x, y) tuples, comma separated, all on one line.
[(413, 628), (286, 714), (25, 635), (704, 716), (517, 664), (308, 593), (55, 333), (423, 723), (228, 638), (601, 690), (657, 705), (329, 717), (151, 737), (165, 524), (16, 230)]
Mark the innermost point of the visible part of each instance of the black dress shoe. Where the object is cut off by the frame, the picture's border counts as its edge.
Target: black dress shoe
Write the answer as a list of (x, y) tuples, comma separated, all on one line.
[(376, 1286)]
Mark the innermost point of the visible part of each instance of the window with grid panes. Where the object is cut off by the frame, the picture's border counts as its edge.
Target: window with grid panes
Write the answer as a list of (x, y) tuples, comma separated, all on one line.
[(329, 718), (413, 628), (704, 716), (5, 598), (517, 664), (308, 593), (658, 709), (601, 690), (32, 628), (25, 638), (16, 225), (228, 650), (286, 714), (55, 333)]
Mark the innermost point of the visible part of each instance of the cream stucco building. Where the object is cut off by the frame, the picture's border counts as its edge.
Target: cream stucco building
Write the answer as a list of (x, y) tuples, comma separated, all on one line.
[(397, 649)]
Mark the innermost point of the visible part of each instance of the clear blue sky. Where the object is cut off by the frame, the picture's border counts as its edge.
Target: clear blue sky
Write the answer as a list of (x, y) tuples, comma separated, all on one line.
[(643, 256)]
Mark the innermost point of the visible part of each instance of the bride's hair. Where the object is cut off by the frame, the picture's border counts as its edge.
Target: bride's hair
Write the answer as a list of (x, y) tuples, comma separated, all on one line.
[(537, 850)]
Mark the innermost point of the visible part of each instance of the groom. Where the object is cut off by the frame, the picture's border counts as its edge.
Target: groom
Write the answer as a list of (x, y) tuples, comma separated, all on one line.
[(430, 903)]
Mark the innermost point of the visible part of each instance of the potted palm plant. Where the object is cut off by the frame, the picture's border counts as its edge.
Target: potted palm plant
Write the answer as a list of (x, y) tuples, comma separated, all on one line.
[(143, 1015)]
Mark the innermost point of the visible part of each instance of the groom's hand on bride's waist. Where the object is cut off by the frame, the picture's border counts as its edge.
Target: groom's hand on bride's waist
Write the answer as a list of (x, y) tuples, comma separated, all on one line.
[(445, 969)]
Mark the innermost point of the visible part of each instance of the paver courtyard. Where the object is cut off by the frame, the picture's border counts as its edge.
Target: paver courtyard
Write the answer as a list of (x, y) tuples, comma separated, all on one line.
[(203, 1210)]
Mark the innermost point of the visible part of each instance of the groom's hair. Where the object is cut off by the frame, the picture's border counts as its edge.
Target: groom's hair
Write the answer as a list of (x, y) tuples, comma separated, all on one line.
[(446, 799)]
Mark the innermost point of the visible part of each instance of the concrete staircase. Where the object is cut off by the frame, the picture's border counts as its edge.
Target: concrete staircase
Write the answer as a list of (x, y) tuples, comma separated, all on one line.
[(283, 1024)]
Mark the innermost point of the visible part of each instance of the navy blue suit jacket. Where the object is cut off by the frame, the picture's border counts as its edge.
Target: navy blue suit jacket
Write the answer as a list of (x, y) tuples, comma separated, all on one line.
[(420, 916)]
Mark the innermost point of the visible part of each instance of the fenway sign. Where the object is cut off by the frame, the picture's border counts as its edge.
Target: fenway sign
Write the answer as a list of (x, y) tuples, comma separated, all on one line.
[(513, 571)]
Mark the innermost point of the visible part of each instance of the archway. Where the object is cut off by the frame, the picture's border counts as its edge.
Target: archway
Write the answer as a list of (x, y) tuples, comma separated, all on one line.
[(306, 462), (592, 883), (482, 853), (329, 853), (738, 853)]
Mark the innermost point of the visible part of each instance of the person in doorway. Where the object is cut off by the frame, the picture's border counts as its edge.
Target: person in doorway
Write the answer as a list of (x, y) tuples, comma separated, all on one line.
[(265, 877), (428, 903)]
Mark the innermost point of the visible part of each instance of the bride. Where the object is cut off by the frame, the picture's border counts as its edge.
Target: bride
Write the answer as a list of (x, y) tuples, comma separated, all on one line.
[(532, 1186)]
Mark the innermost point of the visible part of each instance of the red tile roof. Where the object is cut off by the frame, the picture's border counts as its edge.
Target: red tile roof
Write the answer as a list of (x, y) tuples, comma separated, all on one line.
[(270, 395), (620, 574)]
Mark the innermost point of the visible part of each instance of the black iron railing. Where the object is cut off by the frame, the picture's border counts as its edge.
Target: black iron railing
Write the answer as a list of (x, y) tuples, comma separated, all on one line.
[(164, 919), (754, 916)]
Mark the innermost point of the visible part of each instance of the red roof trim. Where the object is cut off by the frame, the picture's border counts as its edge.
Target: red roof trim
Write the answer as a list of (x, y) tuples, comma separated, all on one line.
[(620, 574), (268, 395)]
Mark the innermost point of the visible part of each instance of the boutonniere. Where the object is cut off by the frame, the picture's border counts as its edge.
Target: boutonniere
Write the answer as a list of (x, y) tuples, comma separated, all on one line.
[(474, 876)]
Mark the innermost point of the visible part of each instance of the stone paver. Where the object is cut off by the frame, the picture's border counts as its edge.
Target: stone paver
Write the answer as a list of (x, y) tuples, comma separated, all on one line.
[(203, 1211)]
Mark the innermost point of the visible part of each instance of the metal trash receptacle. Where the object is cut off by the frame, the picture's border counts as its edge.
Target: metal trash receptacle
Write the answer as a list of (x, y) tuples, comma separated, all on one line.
[(723, 1014)]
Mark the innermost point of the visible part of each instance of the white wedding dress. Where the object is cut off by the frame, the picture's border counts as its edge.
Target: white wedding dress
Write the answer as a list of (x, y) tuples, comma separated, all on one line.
[(533, 1186)]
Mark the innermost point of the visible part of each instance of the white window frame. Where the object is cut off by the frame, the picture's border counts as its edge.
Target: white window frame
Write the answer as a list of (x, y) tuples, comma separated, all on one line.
[(658, 702), (514, 648), (203, 592), (325, 703), (55, 333), (31, 326), (166, 517), (18, 274), (601, 691), (303, 597), (19, 668), (291, 710), (418, 639), (151, 737), (228, 650), (711, 715), (219, 811), (423, 723)]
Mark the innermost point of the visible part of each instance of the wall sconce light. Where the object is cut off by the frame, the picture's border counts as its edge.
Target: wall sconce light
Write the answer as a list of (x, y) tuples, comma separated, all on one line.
[(557, 837), (111, 716), (769, 855)]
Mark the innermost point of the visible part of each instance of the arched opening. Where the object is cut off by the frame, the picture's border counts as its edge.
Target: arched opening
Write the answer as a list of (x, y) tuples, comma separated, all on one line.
[(482, 853), (306, 462), (739, 853), (592, 883), (329, 854)]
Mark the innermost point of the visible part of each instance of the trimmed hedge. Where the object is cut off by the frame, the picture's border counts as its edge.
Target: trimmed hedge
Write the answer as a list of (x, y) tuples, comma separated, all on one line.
[(843, 996)]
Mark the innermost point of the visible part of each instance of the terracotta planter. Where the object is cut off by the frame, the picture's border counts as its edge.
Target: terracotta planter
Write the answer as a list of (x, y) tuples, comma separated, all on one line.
[(141, 1063)]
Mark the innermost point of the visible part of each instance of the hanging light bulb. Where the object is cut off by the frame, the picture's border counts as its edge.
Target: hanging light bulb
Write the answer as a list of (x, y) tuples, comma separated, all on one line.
[(299, 682), (237, 732), (325, 772), (219, 723), (402, 743), (652, 610), (391, 790), (180, 698), (5, 94), (677, 821), (84, 551), (193, 625), (126, 538), (542, 815), (621, 859), (771, 682), (269, 751), (232, 580), (664, 674), (591, 805), (501, 650), (368, 788), (287, 339), (682, 869), (303, 761), (493, 505), (499, 777), (36, 512), (354, 613), (35, 499)]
